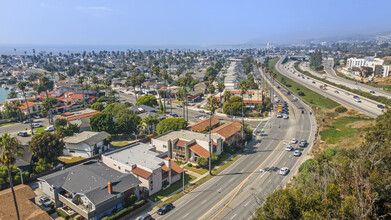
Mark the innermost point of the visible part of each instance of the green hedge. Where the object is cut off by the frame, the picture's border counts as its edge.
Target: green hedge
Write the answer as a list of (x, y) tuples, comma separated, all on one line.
[(125, 211), (62, 214)]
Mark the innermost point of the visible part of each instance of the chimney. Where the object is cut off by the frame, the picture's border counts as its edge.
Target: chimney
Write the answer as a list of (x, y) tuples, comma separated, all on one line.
[(110, 187)]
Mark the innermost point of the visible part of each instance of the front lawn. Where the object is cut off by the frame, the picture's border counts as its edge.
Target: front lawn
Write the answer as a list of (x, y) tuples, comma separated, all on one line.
[(222, 157), (39, 130), (117, 144), (175, 186), (8, 123), (66, 159)]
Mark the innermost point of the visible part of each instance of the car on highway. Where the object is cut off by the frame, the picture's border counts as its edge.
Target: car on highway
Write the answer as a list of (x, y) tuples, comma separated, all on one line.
[(37, 125), (295, 99), (357, 99), (165, 208), (372, 92), (288, 148), (294, 141), (284, 171), (27, 121), (380, 106), (358, 88), (302, 143), (279, 115), (285, 116), (277, 100), (308, 77), (49, 128), (37, 116), (45, 201), (23, 133), (336, 92), (278, 87), (346, 93), (201, 117), (313, 82), (297, 153), (145, 217)]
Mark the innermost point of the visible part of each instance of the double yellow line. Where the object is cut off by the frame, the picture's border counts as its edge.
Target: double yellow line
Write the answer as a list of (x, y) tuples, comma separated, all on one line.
[(237, 188)]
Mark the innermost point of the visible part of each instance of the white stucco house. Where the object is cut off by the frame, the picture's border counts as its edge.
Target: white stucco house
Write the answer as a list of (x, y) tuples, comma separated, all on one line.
[(85, 144)]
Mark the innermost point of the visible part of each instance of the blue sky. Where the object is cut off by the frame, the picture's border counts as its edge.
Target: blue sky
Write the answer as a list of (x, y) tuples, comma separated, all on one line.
[(185, 22)]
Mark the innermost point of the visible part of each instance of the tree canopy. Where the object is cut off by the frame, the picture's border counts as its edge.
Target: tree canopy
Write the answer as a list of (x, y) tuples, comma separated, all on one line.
[(169, 124), (148, 100), (233, 106), (46, 146)]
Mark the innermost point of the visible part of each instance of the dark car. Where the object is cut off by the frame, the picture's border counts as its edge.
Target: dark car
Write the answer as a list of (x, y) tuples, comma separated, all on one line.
[(145, 217), (380, 106), (174, 115), (372, 92), (165, 208), (22, 134)]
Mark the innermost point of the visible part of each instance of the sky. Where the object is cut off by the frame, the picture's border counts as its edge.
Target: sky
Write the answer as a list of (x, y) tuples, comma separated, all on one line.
[(185, 22)]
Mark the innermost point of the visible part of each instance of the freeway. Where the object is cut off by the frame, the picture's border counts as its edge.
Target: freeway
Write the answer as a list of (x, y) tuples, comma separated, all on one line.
[(333, 77), (242, 187), (366, 106)]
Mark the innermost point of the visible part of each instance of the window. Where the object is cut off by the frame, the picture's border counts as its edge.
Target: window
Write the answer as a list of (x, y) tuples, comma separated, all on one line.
[(119, 167), (164, 146)]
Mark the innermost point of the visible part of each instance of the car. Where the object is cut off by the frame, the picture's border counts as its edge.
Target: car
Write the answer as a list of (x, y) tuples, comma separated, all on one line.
[(372, 92), (380, 106), (346, 93), (313, 82), (179, 106), (27, 121), (288, 148), (174, 115), (45, 201), (201, 111), (37, 125), (37, 116), (275, 96), (295, 99), (165, 208), (308, 77), (278, 87), (336, 91), (49, 128), (357, 99), (302, 143), (358, 88), (279, 115), (294, 141), (285, 116), (209, 113), (22, 133), (145, 217), (277, 100), (284, 171), (297, 153), (288, 92)]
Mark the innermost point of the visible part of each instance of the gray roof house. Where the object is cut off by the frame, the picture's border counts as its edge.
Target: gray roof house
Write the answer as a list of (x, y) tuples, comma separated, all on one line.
[(85, 144), (91, 189)]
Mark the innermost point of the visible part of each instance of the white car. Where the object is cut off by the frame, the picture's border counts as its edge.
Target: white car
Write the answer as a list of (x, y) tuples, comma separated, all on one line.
[(37, 125), (37, 116), (50, 128), (288, 148), (297, 153), (284, 171), (294, 141), (285, 116)]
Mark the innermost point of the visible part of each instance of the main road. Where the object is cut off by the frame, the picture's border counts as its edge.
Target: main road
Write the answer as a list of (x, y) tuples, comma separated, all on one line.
[(366, 106), (242, 187)]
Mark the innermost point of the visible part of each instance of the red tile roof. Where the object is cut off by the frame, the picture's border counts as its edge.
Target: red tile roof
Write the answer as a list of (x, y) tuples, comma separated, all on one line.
[(165, 168), (198, 149), (23, 105), (238, 92), (228, 129), (79, 116), (181, 143), (202, 125), (141, 172), (175, 168), (252, 101)]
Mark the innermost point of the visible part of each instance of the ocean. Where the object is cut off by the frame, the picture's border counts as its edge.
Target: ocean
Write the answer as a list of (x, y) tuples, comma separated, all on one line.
[(3, 94)]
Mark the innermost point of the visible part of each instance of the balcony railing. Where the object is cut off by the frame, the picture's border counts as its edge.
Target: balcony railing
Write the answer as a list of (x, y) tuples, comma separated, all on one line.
[(77, 208)]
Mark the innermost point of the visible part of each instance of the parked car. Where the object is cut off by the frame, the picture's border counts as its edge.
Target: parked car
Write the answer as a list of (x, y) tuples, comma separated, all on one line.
[(37, 116), (294, 141), (279, 115), (37, 125), (45, 201), (380, 106), (297, 153), (165, 208), (288, 148), (209, 113), (174, 115), (284, 171), (22, 133), (27, 121), (50, 128), (145, 217), (303, 143), (201, 111)]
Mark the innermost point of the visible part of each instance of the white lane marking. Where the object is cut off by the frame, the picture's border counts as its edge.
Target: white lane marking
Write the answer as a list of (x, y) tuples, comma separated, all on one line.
[(242, 171), (233, 216), (246, 203), (204, 201), (219, 189), (284, 163), (231, 180), (186, 215), (269, 181)]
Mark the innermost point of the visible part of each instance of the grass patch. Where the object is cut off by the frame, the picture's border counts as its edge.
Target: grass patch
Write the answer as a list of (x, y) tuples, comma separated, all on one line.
[(341, 129), (311, 97), (119, 143), (201, 171), (70, 159), (8, 123), (175, 186), (39, 130), (196, 170)]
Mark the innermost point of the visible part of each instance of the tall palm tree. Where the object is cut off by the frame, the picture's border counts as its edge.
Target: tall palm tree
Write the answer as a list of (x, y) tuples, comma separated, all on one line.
[(22, 86), (47, 85), (16, 105), (10, 148), (243, 90), (81, 80), (213, 104), (220, 88)]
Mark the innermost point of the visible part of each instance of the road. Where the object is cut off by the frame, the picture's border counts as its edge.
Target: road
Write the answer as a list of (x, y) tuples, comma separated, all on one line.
[(13, 129), (333, 77), (238, 190), (366, 106)]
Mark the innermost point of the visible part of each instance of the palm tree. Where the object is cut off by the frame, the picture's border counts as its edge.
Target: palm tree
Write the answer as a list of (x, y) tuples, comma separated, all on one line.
[(226, 96), (213, 104), (47, 85), (149, 121), (16, 105), (243, 90), (81, 80), (220, 88), (22, 86), (10, 148), (134, 83)]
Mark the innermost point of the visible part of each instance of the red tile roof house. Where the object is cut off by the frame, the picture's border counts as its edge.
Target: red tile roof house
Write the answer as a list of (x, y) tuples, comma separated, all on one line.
[(81, 120), (149, 167), (186, 145), (203, 124), (227, 130)]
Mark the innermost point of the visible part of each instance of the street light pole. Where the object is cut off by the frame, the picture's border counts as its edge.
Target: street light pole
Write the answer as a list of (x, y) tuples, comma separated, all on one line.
[(21, 176)]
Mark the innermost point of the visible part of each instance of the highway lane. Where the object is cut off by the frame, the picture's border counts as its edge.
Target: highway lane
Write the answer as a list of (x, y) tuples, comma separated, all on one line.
[(231, 191), (332, 77), (367, 106)]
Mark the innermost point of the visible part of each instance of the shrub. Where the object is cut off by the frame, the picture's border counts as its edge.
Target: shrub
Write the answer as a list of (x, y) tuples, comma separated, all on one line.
[(129, 200), (340, 109), (202, 161), (125, 211), (189, 165), (63, 214)]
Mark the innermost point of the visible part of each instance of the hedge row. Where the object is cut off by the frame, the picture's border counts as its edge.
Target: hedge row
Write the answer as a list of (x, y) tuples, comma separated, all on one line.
[(125, 211)]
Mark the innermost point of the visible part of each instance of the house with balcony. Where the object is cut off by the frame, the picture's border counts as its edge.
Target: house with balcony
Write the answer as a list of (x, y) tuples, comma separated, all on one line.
[(85, 144), (91, 189), (149, 167), (187, 145)]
